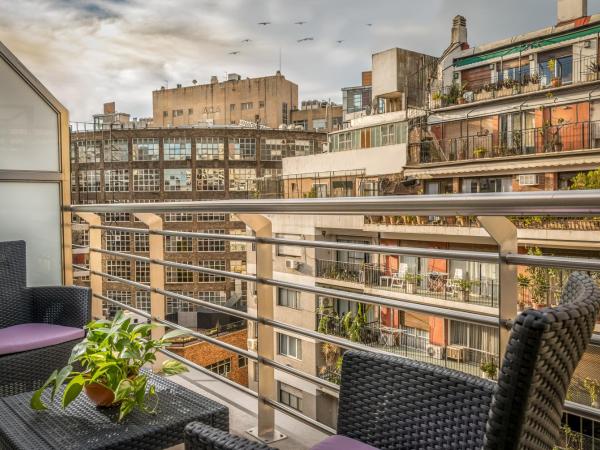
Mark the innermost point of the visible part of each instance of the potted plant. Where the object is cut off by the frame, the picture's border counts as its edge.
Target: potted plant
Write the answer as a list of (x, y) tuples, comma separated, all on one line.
[(486, 93), (555, 81), (593, 389), (111, 358), (436, 98), (479, 152), (532, 84), (412, 281), (489, 370), (593, 69), (464, 288)]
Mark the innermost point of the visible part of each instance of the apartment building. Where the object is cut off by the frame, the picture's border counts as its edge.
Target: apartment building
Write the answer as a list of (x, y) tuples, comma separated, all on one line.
[(356, 100), (316, 115), (266, 101), (536, 136), (174, 165)]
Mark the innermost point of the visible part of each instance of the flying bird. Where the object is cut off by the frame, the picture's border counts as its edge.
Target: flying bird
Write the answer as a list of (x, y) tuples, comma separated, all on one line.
[(301, 22), (306, 39), (264, 23), (369, 24), (340, 41), (234, 53), (247, 40)]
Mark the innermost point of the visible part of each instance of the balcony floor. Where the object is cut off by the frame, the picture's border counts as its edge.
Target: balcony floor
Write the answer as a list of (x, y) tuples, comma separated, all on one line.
[(242, 412)]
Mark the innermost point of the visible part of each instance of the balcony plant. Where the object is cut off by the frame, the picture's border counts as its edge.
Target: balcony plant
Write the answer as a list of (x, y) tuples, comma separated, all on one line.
[(593, 389), (489, 370), (464, 288), (593, 69), (111, 358), (412, 281), (479, 152)]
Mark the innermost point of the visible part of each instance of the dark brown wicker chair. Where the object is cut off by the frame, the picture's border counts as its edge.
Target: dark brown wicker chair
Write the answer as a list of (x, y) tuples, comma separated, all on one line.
[(394, 403), (39, 326)]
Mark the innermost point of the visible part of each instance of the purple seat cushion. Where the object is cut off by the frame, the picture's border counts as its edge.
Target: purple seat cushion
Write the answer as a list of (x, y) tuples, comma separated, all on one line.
[(30, 336), (339, 442)]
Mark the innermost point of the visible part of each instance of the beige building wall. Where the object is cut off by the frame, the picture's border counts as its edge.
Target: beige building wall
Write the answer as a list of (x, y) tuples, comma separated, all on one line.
[(270, 98)]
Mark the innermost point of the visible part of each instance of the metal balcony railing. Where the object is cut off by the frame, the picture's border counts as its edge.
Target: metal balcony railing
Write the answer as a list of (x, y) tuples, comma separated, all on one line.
[(490, 209), (549, 138)]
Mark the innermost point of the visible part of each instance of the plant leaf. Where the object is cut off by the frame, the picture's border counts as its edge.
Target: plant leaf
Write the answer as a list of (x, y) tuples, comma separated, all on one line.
[(174, 334), (36, 400), (72, 390), (60, 379), (173, 367)]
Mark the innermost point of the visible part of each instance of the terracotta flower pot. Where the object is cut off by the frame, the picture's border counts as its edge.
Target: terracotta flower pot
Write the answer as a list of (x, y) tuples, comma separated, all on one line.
[(100, 395)]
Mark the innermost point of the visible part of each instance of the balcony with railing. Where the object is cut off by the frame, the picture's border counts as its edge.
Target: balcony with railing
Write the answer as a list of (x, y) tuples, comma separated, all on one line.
[(531, 142), (460, 347)]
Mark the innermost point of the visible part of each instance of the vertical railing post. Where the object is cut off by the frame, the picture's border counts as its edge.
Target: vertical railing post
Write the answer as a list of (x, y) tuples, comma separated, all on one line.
[(157, 274), (265, 429), (95, 260), (504, 232)]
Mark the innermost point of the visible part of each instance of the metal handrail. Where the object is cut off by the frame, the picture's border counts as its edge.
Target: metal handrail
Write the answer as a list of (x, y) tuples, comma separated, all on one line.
[(543, 203)]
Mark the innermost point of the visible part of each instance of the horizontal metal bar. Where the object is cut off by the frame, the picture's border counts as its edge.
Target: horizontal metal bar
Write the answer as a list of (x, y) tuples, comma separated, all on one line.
[(204, 370), (190, 234), (291, 370), (585, 411), (464, 316), (554, 261), (203, 337), (299, 416), (121, 254), (543, 203)]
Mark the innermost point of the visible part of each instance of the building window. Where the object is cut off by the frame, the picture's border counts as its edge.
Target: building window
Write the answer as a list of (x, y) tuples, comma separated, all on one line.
[(289, 250), (178, 244), (212, 217), (232, 107), (88, 151), (289, 399), (89, 181), (117, 241), (116, 180), (288, 298), (210, 148), (222, 367), (319, 124), (190, 111), (272, 149), (242, 361), (210, 278), (178, 275), (145, 149), (142, 300), (142, 272), (243, 149), (142, 242), (243, 179), (177, 149), (215, 297), (109, 308), (284, 113), (289, 346), (116, 150), (210, 179), (484, 184), (178, 305), (212, 245), (178, 179), (247, 106), (146, 180), (261, 104), (117, 268), (177, 112), (179, 217)]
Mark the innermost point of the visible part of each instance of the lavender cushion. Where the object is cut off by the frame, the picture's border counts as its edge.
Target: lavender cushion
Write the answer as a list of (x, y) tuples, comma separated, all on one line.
[(339, 442), (30, 336)]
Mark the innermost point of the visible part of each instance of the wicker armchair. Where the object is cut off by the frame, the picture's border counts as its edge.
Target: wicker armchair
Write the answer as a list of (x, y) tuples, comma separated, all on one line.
[(39, 326), (393, 403)]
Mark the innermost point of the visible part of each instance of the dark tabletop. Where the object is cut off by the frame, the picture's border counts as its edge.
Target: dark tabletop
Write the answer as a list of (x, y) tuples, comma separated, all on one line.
[(84, 426)]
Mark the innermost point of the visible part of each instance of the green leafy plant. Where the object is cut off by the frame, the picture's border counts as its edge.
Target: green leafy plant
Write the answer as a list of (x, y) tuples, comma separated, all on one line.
[(480, 152), (523, 280), (593, 389), (413, 278), (586, 180), (465, 285), (489, 368), (111, 357)]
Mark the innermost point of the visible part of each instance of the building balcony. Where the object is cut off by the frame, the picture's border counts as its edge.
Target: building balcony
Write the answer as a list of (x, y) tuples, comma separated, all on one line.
[(527, 143)]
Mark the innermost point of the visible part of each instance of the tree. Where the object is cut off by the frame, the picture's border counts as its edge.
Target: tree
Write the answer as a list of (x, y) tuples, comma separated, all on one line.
[(586, 180)]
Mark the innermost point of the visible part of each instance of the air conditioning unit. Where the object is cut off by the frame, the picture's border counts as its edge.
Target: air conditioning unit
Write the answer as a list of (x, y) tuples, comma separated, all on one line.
[(292, 264), (253, 345), (435, 351), (529, 180)]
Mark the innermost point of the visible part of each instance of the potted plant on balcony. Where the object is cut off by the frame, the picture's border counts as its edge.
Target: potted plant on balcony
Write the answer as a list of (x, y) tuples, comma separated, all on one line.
[(593, 389), (464, 288), (111, 358), (479, 152), (593, 69), (436, 99), (555, 81), (486, 92), (489, 370), (531, 84), (412, 281)]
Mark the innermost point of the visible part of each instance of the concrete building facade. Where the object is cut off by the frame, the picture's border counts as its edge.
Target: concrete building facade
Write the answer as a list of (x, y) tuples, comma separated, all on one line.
[(267, 100), (315, 115)]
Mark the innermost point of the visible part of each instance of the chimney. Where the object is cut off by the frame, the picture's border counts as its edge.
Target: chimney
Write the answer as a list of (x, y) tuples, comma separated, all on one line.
[(459, 30), (569, 10), (109, 108)]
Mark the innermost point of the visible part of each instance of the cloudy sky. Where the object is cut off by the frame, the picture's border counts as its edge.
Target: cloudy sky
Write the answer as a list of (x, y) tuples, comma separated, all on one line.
[(91, 51)]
